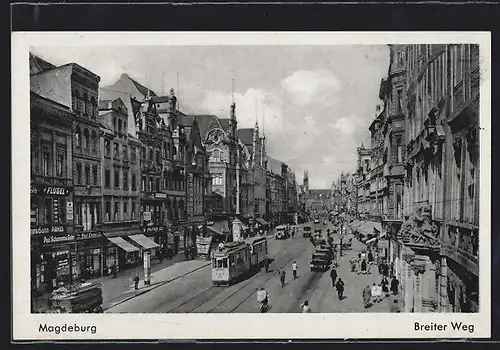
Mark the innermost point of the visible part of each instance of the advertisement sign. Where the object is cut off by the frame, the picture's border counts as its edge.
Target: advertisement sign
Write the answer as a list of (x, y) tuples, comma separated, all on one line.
[(160, 195), (47, 229), (152, 229), (87, 235), (55, 209), (33, 219), (52, 239), (146, 216), (55, 190), (69, 210)]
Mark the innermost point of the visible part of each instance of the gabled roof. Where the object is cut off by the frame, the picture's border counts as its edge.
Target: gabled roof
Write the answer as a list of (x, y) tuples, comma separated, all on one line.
[(38, 64), (125, 84), (106, 94), (203, 123), (246, 136), (224, 123), (274, 165)]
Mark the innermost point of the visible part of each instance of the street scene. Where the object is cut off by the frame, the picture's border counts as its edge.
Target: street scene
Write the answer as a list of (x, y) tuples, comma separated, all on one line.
[(298, 179)]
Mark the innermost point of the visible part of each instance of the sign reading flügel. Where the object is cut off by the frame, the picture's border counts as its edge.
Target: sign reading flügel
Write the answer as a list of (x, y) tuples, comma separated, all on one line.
[(153, 229), (55, 191)]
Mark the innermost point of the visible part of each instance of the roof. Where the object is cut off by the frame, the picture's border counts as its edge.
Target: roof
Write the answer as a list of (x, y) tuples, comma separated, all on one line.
[(106, 94), (53, 84), (246, 136), (224, 123), (38, 64), (127, 85), (203, 121), (274, 165)]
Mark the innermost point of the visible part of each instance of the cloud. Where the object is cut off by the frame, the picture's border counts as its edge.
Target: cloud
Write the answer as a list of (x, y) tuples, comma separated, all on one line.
[(345, 125), (305, 87)]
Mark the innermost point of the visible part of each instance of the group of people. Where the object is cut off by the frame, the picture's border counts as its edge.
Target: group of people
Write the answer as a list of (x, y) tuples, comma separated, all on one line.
[(282, 273), (377, 292), (337, 284), (363, 262)]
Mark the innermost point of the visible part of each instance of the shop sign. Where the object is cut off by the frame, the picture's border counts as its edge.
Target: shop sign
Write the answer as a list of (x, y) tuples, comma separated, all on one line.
[(47, 229), (160, 195), (58, 239), (55, 191), (33, 216), (69, 210), (55, 209), (87, 235), (146, 216), (33, 189), (153, 229)]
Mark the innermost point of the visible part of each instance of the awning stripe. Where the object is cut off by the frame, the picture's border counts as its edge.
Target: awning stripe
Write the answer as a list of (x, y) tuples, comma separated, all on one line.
[(126, 246), (144, 241)]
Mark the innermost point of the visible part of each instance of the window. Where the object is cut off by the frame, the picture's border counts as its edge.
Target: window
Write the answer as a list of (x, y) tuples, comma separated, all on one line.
[(125, 180), (125, 152), (117, 211), (157, 185), (150, 154), (85, 103), (92, 107), (133, 154), (107, 179), (458, 58), (150, 185), (115, 150), (133, 211), (119, 126), (107, 214), (87, 175), (46, 162), (125, 211), (401, 58), (78, 140), (399, 150), (134, 185), (94, 142), (86, 139), (94, 174), (60, 164), (78, 173), (117, 179), (107, 148), (216, 155), (143, 183), (157, 157), (217, 179), (143, 153), (115, 127)]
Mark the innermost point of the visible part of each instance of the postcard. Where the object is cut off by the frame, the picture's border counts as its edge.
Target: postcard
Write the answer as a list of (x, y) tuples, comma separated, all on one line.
[(251, 185)]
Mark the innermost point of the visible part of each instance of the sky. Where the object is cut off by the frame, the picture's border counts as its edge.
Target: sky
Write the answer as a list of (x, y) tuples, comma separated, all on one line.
[(314, 103)]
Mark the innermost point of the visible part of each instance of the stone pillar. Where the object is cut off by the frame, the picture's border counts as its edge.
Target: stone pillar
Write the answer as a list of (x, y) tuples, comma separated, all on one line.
[(417, 297), (409, 287), (443, 286), (237, 230)]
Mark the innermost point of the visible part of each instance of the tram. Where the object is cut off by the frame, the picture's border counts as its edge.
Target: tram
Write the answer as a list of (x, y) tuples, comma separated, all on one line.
[(233, 260)]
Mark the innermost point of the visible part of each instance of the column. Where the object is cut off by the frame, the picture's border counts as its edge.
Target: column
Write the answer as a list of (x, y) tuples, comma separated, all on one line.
[(417, 297), (443, 286), (54, 154)]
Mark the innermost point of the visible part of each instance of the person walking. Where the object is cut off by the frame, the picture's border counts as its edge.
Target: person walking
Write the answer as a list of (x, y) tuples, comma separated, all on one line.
[(136, 282), (113, 270), (340, 288), (374, 293), (333, 276), (353, 264), (306, 308), (370, 257), (367, 292), (363, 266), (266, 265), (394, 285), (282, 278), (294, 270)]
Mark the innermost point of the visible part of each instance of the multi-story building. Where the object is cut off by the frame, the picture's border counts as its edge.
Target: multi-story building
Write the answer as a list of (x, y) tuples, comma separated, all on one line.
[(120, 174), (247, 205), (275, 192), (67, 255), (319, 201), (435, 253), (363, 202), (291, 196)]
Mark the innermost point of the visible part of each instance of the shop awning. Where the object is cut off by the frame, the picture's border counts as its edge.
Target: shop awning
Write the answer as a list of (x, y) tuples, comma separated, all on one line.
[(219, 227), (262, 221), (144, 241), (126, 246), (371, 240), (368, 226)]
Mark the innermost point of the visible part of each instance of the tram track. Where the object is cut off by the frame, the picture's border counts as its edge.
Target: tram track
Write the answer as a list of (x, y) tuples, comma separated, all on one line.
[(191, 304)]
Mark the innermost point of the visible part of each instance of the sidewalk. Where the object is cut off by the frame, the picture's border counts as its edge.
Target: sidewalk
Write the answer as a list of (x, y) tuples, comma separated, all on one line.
[(119, 289), (328, 300)]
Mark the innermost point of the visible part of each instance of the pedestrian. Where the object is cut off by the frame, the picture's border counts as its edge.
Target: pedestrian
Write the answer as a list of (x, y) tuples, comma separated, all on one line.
[(340, 288), (363, 255), (369, 268), (306, 308), (266, 265), (385, 270), (294, 270), (394, 285), (333, 276), (136, 281), (282, 277), (380, 266), (113, 270), (367, 293), (353, 264), (395, 306), (385, 286), (370, 257), (359, 256), (374, 293), (363, 266)]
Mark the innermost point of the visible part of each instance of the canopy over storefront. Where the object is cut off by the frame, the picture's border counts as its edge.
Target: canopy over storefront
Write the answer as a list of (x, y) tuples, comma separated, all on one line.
[(219, 227), (374, 239), (123, 244), (369, 227), (144, 241), (261, 221)]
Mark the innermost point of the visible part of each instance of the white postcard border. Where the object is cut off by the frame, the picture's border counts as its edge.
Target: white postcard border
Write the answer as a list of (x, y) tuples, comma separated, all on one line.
[(231, 326)]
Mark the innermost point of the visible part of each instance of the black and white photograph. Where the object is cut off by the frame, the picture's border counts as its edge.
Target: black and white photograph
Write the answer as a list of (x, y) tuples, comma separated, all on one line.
[(183, 175)]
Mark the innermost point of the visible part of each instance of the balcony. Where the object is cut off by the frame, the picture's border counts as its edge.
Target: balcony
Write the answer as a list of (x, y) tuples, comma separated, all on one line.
[(52, 180)]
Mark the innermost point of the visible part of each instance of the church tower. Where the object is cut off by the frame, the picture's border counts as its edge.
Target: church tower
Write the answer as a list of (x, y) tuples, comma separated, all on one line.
[(306, 182)]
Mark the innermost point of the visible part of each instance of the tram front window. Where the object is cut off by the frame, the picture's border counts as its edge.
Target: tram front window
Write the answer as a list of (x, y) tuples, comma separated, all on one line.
[(221, 263)]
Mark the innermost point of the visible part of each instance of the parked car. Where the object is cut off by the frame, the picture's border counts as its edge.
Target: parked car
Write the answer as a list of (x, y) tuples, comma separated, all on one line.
[(306, 231), (282, 232), (316, 221)]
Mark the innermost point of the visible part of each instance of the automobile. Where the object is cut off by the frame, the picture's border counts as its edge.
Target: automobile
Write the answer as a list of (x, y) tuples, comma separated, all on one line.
[(282, 232), (306, 231), (316, 221), (320, 261), (325, 223)]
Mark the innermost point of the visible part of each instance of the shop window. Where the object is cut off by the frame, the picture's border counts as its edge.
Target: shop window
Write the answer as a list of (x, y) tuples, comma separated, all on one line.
[(79, 173), (117, 179), (46, 211)]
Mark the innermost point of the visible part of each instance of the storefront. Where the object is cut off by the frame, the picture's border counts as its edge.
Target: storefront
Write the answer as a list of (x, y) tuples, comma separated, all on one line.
[(58, 261), (89, 246), (157, 235), (121, 254)]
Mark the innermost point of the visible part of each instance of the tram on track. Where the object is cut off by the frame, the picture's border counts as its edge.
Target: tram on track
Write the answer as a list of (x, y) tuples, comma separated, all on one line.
[(232, 260)]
